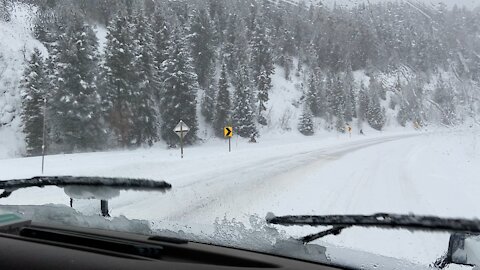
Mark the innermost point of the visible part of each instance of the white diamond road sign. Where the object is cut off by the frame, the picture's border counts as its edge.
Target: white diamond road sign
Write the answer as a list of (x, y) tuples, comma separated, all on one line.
[(181, 129)]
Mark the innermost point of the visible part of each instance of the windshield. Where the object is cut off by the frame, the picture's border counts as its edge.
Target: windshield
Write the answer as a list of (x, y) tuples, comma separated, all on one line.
[(244, 109)]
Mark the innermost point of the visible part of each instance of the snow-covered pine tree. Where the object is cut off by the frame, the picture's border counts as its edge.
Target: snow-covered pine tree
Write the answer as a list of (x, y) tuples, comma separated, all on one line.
[(363, 103), (403, 115), (375, 113), (411, 108), (44, 27), (321, 94), (305, 125), (338, 103), (203, 48), (243, 114), (5, 10), (180, 89), (119, 75), (240, 53), (264, 86), (147, 82), (350, 100), (377, 87), (208, 99), (229, 46), (223, 105), (203, 52), (311, 99), (34, 87), (444, 99), (287, 49), (218, 15), (75, 103), (262, 67), (161, 36)]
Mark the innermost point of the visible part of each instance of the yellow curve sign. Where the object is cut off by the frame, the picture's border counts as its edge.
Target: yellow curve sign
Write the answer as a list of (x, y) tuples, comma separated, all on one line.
[(228, 132)]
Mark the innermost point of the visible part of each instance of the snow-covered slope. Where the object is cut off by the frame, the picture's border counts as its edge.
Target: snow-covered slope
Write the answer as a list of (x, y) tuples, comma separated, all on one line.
[(16, 45), (389, 172), (283, 108)]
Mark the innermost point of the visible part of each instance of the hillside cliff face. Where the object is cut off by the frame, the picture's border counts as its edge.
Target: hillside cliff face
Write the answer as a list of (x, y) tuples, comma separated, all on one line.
[(16, 45)]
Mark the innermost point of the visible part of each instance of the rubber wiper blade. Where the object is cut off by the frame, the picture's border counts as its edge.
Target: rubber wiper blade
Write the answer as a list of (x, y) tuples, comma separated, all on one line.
[(383, 221), (10, 186)]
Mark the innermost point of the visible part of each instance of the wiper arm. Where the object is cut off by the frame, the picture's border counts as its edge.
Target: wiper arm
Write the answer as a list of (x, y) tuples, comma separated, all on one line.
[(384, 221), (336, 230), (63, 181)]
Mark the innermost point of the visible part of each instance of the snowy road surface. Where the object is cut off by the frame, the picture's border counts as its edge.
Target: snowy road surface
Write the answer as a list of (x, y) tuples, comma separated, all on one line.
[(421, 173)]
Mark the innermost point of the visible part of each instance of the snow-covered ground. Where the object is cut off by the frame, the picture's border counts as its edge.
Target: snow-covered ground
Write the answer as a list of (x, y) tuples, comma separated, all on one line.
[(431, 172)]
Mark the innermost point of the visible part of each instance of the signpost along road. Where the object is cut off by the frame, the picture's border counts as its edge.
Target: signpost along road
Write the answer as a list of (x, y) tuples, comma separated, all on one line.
[(228, 133), (181, 130)]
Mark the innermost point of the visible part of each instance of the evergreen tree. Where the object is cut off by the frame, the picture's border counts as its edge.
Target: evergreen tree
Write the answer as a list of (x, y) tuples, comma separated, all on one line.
[(377, 87), (363, 105), (161, 36), (243, 114), (34, 92), (305, 125), (147, 82), (411, 104), (262, 67), (338, 103), (402, 115), (375, 113), (40, 29), (239, 55), (264, 86), (218, 15), (180, 88), (223, 104), (75, 104), (287, 49), (120, 81), (350, 102), (444, 97), (203, 50), (208, 100), (321, 94), (330, 98), (230, 44), (5, 10), (311, 98)]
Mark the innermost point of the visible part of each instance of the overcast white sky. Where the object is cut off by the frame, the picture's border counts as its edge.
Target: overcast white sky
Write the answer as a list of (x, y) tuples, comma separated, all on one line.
[(450, 3)]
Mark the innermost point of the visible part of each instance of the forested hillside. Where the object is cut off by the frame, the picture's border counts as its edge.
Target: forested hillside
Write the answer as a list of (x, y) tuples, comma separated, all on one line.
[(217, 63)]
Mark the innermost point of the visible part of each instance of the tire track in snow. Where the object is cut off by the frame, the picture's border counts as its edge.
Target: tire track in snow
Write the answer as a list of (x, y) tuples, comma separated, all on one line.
[(263, 178)]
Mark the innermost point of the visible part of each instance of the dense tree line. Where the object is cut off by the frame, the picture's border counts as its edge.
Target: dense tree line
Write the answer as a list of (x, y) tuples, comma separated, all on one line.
[(163, 58), (5, 6)]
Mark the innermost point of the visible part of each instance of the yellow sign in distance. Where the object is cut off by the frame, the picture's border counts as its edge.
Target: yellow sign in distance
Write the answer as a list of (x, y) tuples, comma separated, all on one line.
[(228, 132)]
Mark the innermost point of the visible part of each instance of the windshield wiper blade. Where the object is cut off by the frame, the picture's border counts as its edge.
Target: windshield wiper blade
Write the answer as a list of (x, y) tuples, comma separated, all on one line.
[(10, 186), (384, 221)]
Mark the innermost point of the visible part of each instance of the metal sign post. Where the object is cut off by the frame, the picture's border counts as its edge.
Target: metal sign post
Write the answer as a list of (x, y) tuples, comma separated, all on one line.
[(228, 132), (181, 130), (181, 140), (44, 131)]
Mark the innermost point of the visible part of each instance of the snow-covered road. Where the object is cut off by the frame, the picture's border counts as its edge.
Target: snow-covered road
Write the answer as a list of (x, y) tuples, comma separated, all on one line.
[(423, 173)]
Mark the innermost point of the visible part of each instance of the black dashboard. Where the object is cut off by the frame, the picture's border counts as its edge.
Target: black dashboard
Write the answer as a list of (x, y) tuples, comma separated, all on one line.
[(38, 246)]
